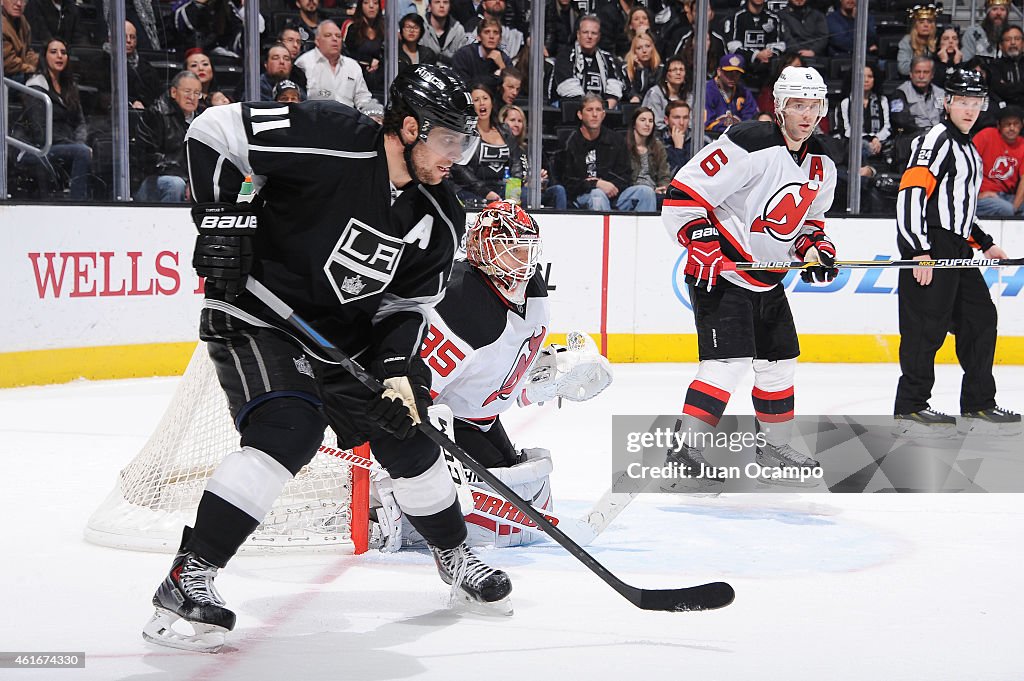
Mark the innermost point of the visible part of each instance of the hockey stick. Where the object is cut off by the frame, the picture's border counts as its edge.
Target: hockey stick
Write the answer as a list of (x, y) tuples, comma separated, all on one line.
[(701, 597), (487, 503), (949, 263)]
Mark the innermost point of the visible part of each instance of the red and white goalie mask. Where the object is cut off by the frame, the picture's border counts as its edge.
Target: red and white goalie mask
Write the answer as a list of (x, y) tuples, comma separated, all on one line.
[(504, 243)]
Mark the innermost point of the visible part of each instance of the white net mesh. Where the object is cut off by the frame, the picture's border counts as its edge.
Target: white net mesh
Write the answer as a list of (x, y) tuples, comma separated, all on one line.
[(158, 492)]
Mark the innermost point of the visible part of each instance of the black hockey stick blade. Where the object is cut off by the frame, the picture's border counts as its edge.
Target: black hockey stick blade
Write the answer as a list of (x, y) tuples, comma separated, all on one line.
[(701, 597), (710, 596)]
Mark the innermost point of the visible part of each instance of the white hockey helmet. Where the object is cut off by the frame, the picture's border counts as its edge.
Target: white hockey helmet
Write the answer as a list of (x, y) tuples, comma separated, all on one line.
[(504, 243), (800, 82)]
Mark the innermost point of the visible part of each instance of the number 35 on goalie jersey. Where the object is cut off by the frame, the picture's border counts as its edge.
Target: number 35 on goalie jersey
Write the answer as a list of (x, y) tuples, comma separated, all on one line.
[(478, 348), (758, 194)]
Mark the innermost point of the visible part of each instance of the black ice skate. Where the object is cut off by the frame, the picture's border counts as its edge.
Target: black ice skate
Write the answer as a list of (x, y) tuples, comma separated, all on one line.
[(473, 581), (784, 465), (188, 593), (994, 421), (926, 423)]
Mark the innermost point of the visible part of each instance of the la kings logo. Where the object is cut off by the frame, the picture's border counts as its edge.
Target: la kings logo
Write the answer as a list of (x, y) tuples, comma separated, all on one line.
[(785, 211), (363, 262), (524, 360)]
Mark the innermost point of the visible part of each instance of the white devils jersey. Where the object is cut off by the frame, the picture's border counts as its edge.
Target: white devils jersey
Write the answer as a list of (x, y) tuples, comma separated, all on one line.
[(758, 194), (479, 346)]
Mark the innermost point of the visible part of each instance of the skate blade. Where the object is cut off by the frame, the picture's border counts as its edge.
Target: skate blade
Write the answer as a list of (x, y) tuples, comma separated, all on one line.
[(207, 638), (918, 431), (980, 427), (465, 603)]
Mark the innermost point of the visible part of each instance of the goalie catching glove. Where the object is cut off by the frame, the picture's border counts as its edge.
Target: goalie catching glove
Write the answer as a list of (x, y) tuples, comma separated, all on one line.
[(576, 372), (224, 248), (406, 395), (816, 247)]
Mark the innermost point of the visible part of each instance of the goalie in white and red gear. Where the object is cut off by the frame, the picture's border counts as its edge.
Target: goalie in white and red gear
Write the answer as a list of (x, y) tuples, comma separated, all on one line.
[(485, 349)]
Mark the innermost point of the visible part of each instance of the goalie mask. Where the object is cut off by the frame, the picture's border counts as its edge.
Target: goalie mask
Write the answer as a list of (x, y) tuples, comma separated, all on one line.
[(504, 243)]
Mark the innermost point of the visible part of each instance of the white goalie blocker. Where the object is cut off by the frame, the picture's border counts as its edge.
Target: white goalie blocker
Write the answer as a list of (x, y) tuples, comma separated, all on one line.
[(576, 372)]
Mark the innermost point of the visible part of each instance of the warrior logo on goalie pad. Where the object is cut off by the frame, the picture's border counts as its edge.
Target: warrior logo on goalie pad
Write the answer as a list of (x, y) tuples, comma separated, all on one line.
[(363, 262), (524, 360), (785, 211)]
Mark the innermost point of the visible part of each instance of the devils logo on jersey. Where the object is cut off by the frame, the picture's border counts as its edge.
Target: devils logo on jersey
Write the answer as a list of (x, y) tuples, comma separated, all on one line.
[(785, 211), (524, 359), (1003, 168)]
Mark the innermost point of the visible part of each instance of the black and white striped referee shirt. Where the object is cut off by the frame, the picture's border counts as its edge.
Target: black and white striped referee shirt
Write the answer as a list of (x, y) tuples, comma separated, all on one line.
[(939, 190)]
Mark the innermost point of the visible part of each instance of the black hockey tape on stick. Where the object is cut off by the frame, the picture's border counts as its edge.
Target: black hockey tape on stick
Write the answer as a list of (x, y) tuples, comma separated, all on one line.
[(708, 596), (946, 264)]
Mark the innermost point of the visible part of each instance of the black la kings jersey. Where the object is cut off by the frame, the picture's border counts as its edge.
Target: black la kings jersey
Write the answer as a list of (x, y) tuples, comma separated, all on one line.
[(330, 243), (758, 194), (479, 346)]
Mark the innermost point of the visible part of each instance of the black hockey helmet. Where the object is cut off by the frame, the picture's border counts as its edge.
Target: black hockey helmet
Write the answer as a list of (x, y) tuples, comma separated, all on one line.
[(437, 98), (965, 82)]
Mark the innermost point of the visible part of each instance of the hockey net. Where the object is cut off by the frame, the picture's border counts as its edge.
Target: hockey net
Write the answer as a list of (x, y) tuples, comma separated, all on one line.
[(325, 507)]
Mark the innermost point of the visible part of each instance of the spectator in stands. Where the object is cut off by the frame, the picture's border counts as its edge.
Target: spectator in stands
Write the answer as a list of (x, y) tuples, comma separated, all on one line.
[(596, 167), (332, 75), (144, 83), (806, 29), (307, 22), (982, 40), (640, 21), (58, 19), (410, 33), (676, 135), (511, 84), (915, 106), (512, 39), (482, 180), (921, 40), (647, 157), (1007, 72), (514, 119), (677, 38), (947, 53), (842, 30), (714, 46), (766, 97), (277, 67), (287, 92), (69, 152), (417, 7), (561, 16), (290, 38), (614, 16), (198, 63), (876, 129), (216, 26), (672, 85), (726, 99), (756, 34), (483, 60), (463, 11), (162, 137), (586, 68), (444, 34), (363, 40), (20, 61), (642, 67), (1002, 157)]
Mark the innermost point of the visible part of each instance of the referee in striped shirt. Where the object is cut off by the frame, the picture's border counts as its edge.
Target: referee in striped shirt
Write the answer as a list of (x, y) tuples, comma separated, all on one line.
[(935, 218)]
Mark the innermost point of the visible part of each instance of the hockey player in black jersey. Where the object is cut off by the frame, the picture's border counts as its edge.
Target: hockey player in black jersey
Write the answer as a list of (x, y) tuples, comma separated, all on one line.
[(485, 350), (759, 193), (353, 225), (935, 218)]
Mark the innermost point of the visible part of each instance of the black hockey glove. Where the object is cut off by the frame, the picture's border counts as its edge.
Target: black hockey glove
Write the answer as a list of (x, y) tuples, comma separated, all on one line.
[(224, 249), (406, 396), (821, 250), (703, 253)]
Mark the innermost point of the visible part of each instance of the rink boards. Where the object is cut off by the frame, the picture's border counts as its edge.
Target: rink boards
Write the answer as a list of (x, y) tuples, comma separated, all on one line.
[(105, 292)]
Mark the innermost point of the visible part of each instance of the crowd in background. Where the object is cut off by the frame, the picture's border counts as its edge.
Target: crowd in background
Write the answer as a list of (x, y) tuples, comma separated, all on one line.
[(617, 87)]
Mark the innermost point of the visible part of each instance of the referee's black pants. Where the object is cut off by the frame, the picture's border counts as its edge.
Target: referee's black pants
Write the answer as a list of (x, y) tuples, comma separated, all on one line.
[(956, 301)]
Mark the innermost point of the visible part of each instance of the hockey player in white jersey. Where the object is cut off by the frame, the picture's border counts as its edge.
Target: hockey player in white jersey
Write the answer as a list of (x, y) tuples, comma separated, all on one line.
[(485, 350), (758, 193)]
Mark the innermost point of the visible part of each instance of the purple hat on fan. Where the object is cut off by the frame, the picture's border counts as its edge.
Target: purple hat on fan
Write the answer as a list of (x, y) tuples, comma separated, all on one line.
[(732, 62)]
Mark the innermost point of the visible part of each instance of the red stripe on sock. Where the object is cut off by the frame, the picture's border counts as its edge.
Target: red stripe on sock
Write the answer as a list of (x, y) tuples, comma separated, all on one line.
[(773, 418), (698, 413), (777, 395), (711, 390)]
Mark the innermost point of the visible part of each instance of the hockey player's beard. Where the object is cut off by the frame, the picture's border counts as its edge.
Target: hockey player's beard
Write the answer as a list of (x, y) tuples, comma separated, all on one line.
[(421, 168)]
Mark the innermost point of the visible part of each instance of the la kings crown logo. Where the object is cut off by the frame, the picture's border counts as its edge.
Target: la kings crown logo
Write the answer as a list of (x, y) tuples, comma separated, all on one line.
[(785, 211)]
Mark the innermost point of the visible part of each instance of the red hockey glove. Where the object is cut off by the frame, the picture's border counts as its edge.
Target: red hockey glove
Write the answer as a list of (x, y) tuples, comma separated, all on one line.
[(703, 253), (816, 246)]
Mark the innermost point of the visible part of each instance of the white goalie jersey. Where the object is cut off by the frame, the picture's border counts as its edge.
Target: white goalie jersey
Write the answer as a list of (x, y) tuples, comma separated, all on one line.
[(759, 194)]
